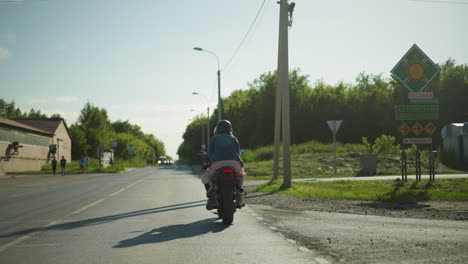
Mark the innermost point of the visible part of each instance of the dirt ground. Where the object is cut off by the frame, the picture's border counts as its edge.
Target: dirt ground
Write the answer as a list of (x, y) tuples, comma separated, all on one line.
[(337, 236), (443, 210)]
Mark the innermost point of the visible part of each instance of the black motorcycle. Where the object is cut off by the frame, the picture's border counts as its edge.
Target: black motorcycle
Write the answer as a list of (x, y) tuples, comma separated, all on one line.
[(227, 194)]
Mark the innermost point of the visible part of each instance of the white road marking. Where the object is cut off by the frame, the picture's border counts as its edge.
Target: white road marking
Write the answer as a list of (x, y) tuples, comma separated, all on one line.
[(322, 260), (117, 192), (25, 194), (87, 206), (15, 242), (134, 183), (38, 245), (23, 238), (304, 249)]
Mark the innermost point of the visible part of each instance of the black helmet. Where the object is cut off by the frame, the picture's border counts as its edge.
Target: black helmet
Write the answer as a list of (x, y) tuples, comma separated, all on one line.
[(223, 126)]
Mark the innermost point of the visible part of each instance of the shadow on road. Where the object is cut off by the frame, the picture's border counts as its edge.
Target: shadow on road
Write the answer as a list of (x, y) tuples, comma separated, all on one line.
[(105, 219), (173, 232)]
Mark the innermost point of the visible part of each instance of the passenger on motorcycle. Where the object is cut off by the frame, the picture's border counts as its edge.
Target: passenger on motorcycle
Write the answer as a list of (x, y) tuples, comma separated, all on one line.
[(224, 150)]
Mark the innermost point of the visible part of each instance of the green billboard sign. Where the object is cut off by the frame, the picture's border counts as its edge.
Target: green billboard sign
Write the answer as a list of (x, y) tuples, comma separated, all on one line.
[(416, 112)]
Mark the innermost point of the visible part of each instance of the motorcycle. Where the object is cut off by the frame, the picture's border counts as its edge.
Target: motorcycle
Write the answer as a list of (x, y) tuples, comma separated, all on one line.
[(227, 194)]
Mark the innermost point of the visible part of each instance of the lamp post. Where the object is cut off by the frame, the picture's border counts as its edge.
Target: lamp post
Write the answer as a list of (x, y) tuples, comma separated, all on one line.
[(219, 80), (207, 121)]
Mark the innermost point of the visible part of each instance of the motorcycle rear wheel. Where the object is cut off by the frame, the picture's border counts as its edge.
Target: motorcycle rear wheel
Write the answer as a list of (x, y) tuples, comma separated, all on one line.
[(227, 209)]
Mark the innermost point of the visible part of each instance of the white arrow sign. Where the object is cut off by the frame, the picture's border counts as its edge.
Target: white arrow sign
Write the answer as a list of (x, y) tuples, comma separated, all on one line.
[(334, 125)]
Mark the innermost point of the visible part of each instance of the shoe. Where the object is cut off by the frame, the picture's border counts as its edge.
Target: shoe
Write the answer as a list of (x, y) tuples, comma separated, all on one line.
[(209, 193), (211, 203), (240, 199)]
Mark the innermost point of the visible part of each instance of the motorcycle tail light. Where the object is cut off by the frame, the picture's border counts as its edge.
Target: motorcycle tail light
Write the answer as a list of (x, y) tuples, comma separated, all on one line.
[(228, 171), (228, 178)]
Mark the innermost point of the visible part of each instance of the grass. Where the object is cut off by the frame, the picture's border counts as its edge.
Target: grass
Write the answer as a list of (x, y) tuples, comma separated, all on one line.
[(383, 191), (316, 160)]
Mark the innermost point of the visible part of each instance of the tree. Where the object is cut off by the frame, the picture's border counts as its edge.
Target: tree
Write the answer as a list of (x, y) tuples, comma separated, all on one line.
[(366, 107), (95, 125)]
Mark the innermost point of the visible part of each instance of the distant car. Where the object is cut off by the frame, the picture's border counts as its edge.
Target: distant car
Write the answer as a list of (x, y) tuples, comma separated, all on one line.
[(164, 161)]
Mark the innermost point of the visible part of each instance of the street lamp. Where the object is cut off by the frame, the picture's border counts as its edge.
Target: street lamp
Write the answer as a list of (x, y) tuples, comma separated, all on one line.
[(207, 120), (219, 80)]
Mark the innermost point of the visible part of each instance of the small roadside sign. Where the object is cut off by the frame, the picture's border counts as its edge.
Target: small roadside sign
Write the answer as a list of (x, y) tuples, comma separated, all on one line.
[(417, 112), (334, 125), (430, 128), (421, 95), (404, 129), (114, 144), (417, 141), (417, 129)]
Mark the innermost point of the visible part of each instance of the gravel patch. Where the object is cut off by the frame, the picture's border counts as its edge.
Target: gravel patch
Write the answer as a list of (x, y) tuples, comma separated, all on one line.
[(443, 210)]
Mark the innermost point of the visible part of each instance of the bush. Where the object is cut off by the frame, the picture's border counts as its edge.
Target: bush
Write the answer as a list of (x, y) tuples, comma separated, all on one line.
[(382, 144)]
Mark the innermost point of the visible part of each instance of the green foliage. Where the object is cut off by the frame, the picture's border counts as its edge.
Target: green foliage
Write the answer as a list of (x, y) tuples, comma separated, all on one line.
[(9, 110), (367, 144), (311, 147), (314, 159), (189, 150), (386, 191), (94, 129), (366, 108), (385, 144), (382, 144)]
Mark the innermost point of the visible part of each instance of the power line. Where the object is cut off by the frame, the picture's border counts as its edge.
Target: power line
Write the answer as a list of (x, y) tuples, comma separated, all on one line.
[(443, 2), (246, 34)]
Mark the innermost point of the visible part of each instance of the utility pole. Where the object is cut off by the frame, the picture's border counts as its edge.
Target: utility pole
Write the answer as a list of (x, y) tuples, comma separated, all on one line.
[(282, 113), (219, 93), (207, 129)]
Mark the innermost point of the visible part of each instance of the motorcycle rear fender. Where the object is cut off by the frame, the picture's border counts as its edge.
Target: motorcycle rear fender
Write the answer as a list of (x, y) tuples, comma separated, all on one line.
[(226, 174)]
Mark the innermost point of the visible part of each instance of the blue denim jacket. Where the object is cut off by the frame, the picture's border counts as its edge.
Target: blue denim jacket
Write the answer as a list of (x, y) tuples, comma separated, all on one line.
[(224, 147)]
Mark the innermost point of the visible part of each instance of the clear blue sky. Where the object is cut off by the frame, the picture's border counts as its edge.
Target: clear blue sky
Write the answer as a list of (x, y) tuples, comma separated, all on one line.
[(135, 58)]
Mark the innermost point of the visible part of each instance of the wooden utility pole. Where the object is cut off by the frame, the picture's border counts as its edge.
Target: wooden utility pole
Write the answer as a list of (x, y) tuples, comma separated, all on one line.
[(277, 138), (282, 104)]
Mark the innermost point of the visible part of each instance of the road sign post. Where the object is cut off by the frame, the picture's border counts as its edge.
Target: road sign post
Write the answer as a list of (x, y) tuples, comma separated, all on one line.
[(334, 125), (416, 71)]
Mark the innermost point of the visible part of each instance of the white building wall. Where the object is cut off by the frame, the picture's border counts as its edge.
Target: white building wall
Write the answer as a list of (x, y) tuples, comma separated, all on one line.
[(63, 141)]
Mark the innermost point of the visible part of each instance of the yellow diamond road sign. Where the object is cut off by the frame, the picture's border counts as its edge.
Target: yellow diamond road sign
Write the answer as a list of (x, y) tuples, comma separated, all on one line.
[(404, 129), (430, 128), (417, 129)]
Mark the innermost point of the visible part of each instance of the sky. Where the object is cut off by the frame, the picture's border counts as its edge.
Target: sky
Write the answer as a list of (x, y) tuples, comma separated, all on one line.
[(135, 58)]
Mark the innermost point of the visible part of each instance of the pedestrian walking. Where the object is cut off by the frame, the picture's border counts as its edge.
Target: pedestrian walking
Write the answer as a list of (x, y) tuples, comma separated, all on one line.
[(63, 165), (82, 163), (86, 163), (54, 165)]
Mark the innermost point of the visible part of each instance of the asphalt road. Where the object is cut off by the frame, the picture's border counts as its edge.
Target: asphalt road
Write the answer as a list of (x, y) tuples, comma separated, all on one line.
[(148, 215), (350, 238)]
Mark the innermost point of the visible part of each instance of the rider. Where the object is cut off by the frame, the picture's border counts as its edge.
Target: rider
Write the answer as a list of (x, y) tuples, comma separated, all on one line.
[(224, 150)]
